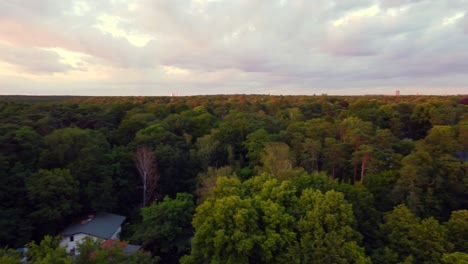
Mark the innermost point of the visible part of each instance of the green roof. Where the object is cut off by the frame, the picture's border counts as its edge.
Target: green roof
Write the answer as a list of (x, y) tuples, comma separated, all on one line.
[(102, 225)]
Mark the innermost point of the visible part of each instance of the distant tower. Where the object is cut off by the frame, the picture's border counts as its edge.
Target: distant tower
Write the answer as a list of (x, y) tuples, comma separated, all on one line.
[(397, 92)]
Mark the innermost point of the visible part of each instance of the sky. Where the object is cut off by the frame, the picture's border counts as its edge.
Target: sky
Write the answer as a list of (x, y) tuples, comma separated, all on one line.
[(198, 47)]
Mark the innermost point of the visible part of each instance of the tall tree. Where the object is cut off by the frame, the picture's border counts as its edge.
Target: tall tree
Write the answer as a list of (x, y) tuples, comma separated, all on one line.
[(334, 156), (248, 222), (364, 156), (47, 251), (325, 230), (415, 175), (208, 179), (355, 132), (173, 158), (261, 221), (83, 152), (311, 154), (54, 194), (166, 227), (145, 162), (9, 256), (458, 230), (277, 158), (254, 144), (411, 239), (207, 148), (456, 257)]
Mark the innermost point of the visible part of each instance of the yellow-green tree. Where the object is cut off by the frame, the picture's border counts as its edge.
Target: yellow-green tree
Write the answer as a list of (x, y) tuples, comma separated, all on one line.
[(325, 230), (277, 158), (406, 236), (262, 220), (47, 251)]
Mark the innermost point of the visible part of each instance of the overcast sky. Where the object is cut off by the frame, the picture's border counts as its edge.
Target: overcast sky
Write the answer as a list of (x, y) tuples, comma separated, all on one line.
[(152, 47)]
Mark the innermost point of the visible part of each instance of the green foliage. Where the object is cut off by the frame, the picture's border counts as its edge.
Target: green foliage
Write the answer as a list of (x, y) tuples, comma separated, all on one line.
[(54, 194), (420, 120), (47, 251), (255, 144), (415, 175), (68, 145), (165, 228), (86, 248), (83, 152), (173, 154), (378, 151), (424, 241), (325, 230), (379, 185), (455, 258), (15, 227), (440, 139), (396, 229), (310, 156), (431, 241), (276, 159), (335, 156), (364, 157), (9, 256), (208, 180), (457, 227), (228, 227), (263, 221), (365, 214), (368, 110), (207, 150), (462, 131), (28, 145), (355, 131), (131, 124)]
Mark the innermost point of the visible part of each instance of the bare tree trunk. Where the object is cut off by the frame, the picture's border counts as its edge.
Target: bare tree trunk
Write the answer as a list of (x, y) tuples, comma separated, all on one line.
[(363, 168), (365, 160), (145, 162), (316, 158), (355, 173)]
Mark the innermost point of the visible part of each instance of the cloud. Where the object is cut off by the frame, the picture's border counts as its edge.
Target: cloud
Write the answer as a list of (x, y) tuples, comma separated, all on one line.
[(220, 46), (463, 21), (33, 60)]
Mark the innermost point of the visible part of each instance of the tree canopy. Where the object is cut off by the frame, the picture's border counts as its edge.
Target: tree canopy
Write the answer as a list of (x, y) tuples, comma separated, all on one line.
[(242, 178)]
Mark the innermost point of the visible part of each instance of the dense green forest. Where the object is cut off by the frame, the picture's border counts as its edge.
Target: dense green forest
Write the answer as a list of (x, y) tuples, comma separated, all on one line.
[(241, 178)]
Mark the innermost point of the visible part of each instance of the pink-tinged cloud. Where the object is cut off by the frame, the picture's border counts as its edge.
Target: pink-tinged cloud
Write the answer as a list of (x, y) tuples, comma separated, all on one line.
[(156, 47), (33, 60)]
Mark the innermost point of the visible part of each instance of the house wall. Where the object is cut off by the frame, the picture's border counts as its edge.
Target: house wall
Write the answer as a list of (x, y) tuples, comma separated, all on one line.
[(70, 245), (78, 238)]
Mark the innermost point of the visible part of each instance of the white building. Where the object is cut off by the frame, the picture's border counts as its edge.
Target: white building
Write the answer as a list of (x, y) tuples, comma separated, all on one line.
[(101, 226)]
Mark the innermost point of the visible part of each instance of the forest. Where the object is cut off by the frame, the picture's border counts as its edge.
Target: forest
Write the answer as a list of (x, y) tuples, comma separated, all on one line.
[(239, 178)]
